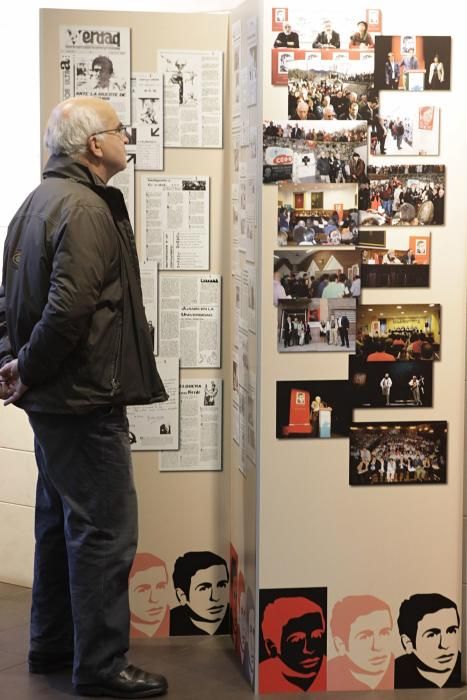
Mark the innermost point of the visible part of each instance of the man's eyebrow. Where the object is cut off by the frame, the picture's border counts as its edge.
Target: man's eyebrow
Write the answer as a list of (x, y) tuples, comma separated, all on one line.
[(432, 630)]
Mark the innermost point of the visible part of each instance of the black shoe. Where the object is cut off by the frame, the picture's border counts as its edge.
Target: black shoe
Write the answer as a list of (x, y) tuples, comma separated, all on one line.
[(132, 682), (43, 662)]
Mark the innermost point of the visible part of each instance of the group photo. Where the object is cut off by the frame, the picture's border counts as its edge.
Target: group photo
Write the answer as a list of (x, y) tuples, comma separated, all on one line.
[(403, 453), (390, 384), (316, 325), (403, 261)]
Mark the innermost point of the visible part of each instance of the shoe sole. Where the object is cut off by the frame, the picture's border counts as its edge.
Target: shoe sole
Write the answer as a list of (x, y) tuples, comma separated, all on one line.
[(96, 691)]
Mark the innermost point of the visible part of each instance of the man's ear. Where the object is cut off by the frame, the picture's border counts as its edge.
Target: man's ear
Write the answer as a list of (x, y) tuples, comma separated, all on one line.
[(340, 646), (271, 648), (94, 146), (181, 596), (407, 643)]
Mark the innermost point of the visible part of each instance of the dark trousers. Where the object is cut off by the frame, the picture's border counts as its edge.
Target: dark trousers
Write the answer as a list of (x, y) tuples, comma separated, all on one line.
[(344, 334), (86, 534)]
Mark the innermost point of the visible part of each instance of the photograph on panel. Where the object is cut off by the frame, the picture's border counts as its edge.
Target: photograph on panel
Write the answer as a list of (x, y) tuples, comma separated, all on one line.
[(403, 261), (246, 616), (361, 653), (298, 33), (337, 88), (413, 63), (303, 151), (149, 592), (403, 195), (201, 583), (405, 125), (318, 214), (390, 384), (312, 273), (429, 629), (398, 453), (292, 640), (398, 332), (313, 409), (316, 325)]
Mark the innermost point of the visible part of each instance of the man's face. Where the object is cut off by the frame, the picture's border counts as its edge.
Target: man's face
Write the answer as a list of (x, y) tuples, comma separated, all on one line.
[(112, 143), (148, 595), (354, 109), (209, 593), (302, 644), (287, 29), (369, 644), (101, 74), (437, 640), (302, 110), (242, 622)]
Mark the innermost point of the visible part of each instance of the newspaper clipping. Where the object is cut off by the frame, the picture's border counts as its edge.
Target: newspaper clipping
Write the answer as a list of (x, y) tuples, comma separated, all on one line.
[(155, 426), (95, 62), (192, 98), (200, 428), (147, 133), (190, 319), (176, 222)]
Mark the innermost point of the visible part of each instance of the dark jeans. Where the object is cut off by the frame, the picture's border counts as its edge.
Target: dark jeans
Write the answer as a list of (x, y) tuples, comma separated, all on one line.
[(86, 533)]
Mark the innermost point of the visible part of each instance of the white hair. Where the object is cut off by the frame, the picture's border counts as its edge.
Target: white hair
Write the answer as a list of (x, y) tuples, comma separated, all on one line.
[(69, 127)]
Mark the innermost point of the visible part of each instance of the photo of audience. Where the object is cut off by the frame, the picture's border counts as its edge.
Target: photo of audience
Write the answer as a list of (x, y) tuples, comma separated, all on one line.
[(403, 453), (403, 195), (301, 151), (316, 325), (403, 262), (390, 333), (390, 384)]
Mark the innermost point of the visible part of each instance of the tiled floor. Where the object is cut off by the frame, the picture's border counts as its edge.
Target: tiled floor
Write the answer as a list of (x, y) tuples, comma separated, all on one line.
[(197, 669)]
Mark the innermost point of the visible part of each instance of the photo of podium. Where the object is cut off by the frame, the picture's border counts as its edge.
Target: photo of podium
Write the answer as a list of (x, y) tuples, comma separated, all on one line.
[(299, 414), (414, 80), (325, 422)]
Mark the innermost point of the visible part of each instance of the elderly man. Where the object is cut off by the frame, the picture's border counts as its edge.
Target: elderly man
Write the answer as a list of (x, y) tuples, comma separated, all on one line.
[(74, 351)]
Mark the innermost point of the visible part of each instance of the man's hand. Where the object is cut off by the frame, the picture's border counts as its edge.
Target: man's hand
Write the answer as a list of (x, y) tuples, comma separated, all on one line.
[(11, 386)]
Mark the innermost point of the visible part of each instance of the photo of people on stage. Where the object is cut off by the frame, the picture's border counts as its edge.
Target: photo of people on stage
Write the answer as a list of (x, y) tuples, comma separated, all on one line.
[(398, 453), (302, 151), (319, 214), (403, 261), (413, 63), (313, 409), (399, 332), (403, 195), (316, 325), (314, 273), (390, 384)]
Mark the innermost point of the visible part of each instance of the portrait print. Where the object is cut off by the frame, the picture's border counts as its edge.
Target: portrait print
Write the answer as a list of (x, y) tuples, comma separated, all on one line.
[(292, 644), (362, 630), (388, 454), (201, 582), (148, 591), (429, 628)]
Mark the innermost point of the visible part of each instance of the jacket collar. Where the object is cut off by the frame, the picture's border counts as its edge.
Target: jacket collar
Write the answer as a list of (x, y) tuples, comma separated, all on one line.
[(63, 166)]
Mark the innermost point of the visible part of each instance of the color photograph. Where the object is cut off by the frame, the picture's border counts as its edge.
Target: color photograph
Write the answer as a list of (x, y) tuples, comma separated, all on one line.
[(316, 325), (399, 332), (319, 214), (410, 127), (398, 453), (403, 262), (413, 63), (301, 151), (390, 384), (403, 195), (313, 409)]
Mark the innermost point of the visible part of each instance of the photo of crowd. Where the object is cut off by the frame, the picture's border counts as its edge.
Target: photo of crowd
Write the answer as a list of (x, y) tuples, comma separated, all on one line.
[(404, 195), (404, 453), (316, 274), (317, 214), (313, 409), (413, 63), (403, 262), (390, 333), (331, 89), (316, 325), (390, 384), (303, 152), (406, 127)]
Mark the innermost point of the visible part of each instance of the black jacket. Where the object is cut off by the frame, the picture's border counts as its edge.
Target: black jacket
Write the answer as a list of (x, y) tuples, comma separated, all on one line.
[(72, 305)]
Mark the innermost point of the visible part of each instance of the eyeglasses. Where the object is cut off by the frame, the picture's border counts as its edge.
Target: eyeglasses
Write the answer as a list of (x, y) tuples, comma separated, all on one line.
[(121, 130)]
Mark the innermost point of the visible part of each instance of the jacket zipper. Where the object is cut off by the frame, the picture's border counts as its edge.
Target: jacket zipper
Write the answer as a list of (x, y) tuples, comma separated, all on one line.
[(115, 382)]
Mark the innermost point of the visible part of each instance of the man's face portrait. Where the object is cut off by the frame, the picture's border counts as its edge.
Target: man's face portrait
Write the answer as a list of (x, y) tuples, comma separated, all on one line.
[(148, 595), (369, 643), (437, 641), (302, 643), (251, 641), (101, 75), (287, 28), (209, 592), (242, 622)]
